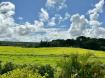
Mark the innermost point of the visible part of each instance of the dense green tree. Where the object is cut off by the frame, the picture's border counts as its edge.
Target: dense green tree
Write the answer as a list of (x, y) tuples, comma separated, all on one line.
[(82, 42)]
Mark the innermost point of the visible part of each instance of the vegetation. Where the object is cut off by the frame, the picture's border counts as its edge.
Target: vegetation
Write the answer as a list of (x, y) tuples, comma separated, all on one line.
[(80, 42), (10, 70), (78, 66), (54, 59), (21, 73), (73, 66), (52, 55)]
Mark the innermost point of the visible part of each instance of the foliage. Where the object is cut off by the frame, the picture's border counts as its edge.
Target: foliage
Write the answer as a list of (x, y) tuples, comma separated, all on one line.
[(81, 42), (26, 71), (21, 73), (73, 66), (77, 66), (4, 68), (9, 66), (47, 69)]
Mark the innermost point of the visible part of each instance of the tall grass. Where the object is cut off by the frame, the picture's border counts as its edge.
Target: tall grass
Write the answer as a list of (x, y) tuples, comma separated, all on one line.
[(81, 66)]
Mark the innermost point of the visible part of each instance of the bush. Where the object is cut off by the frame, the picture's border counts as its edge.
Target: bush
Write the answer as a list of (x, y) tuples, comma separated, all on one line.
[(47, 69), (8, 67), (21, 73), (9, 70), (0, 67), (77, 66)]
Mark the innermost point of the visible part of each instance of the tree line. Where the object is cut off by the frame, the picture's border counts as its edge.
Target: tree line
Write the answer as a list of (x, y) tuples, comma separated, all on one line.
[(79, 42)]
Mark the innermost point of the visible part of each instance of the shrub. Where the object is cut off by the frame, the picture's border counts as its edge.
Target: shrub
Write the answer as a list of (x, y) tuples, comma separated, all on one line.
[(9, 70), (77, 66), (21, 73), (0, 67), (9, 66), (47, 69)]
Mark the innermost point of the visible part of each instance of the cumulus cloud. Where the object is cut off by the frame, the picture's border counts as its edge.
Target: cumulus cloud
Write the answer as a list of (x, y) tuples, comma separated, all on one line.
[(10, 30), (56, 4), (81, 26), (94, 13), (52, 22), (7, 10), (67, 16), (24, 29), (78, 25), (58, 19)]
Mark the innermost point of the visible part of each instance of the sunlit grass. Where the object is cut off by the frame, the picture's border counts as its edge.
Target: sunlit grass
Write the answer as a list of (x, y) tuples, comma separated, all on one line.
[(49, 55)]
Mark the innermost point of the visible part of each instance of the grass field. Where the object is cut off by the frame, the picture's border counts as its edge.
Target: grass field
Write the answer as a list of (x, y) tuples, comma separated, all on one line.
[(51, 56)]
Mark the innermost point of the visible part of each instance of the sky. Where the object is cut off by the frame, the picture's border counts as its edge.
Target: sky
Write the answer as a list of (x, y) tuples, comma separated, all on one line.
[(36, 20)]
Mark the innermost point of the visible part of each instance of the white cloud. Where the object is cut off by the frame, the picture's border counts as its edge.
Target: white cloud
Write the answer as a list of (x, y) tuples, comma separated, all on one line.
[(80, 26), (20, 18), (94, 13), (54, 33), (67, 16), (44, 16), (52, 22), (51, 3), (56, 20), (57, 4), (38, 24), (10, 30), (7, 10), (25, 29)]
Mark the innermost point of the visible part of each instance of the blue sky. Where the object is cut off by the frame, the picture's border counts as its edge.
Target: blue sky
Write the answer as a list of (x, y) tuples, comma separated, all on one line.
[(29, 9), (55, 17)]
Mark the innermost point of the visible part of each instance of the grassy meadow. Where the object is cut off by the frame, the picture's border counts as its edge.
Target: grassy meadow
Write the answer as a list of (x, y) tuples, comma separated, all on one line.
[(19, 55)]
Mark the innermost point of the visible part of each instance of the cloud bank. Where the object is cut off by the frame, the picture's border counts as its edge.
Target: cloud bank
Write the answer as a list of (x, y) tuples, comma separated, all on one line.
[(81, 26), (49, 28)]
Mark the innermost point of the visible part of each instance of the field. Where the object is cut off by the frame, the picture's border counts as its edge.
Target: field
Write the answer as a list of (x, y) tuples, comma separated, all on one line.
[(51, 56)]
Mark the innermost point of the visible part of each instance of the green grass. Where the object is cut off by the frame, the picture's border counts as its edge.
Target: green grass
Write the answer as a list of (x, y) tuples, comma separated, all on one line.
[(51, 56)]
